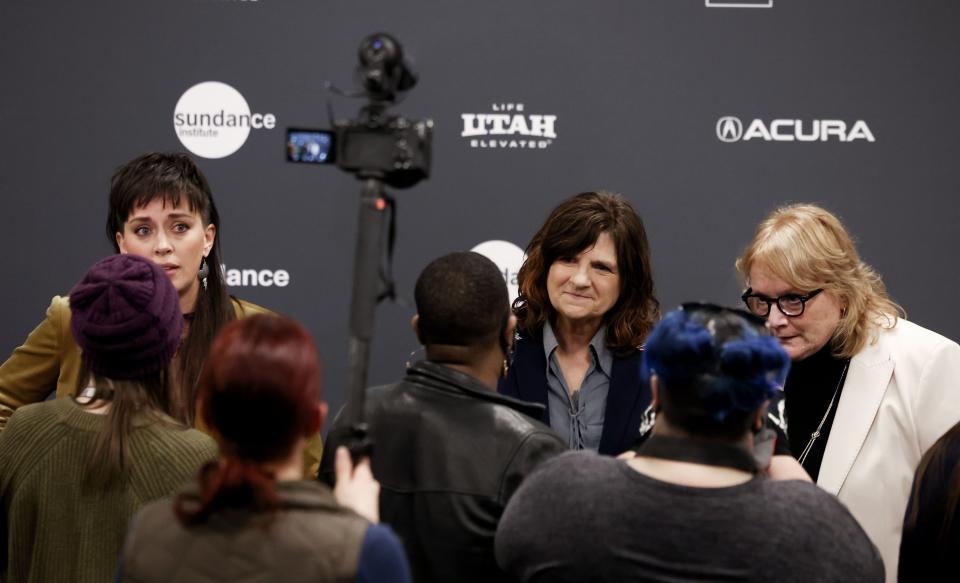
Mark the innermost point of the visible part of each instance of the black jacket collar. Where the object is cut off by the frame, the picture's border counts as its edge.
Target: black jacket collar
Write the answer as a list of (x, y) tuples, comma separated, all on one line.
[(444, 378)]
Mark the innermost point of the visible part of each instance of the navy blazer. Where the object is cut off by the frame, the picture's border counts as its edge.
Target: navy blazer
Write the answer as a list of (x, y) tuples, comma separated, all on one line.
[(627, 398)]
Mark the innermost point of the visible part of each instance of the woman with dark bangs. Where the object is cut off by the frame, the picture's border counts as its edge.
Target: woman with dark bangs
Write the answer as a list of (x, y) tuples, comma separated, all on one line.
[(250, 517), (585, 307), (161, 207)]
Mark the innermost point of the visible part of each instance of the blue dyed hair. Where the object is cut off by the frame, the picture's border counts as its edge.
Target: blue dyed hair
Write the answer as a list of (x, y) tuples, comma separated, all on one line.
[(714, 364)]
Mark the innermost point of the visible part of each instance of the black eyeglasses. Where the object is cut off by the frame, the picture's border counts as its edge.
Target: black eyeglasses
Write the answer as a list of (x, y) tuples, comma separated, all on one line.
[(717, 309), (707, 313), (790, 304)]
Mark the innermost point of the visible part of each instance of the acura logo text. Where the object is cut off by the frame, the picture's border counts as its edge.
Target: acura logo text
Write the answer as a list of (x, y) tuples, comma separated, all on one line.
[(731, 129)]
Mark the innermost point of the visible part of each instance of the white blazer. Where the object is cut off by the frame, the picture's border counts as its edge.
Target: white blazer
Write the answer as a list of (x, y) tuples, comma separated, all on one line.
[(901, 394)]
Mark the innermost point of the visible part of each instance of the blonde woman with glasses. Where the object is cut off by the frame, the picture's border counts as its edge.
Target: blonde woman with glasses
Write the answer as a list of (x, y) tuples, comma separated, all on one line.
[(868, 391)]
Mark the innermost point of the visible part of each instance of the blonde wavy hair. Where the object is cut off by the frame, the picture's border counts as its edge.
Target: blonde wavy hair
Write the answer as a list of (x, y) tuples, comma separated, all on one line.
[(808, 247)]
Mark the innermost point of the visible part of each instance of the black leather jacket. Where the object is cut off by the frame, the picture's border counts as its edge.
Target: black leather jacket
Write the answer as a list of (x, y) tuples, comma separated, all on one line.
[(448, 453)]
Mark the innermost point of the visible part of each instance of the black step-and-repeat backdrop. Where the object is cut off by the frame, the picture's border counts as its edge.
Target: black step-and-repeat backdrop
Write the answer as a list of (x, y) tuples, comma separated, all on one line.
[(706, 115)]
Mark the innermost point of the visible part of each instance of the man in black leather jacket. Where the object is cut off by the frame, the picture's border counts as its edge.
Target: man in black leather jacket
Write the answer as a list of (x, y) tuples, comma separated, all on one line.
[(448, 450)]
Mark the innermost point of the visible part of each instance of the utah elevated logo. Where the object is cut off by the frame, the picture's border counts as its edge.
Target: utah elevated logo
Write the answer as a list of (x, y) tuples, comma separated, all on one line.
[(509, 126)]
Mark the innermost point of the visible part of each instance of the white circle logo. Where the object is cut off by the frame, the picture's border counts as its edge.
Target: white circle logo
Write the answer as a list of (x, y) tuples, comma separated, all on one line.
[(508, 258), (729, 129), (213, 120)]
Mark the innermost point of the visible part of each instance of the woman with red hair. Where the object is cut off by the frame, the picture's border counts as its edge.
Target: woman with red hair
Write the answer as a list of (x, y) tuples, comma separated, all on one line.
[(250, 516)]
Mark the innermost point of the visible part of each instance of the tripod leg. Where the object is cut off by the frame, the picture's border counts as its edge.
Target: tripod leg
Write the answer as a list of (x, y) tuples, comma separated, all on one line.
[(366, 289)]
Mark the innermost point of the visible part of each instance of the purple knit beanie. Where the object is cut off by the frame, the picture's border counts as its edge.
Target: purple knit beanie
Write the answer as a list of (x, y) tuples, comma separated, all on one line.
[(125, 316)]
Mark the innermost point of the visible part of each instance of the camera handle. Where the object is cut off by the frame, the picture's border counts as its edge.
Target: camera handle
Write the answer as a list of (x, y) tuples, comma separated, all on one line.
[(367, 288)]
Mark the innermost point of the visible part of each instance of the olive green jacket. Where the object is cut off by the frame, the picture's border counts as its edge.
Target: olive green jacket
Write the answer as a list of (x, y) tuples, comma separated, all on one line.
[(49, 360)]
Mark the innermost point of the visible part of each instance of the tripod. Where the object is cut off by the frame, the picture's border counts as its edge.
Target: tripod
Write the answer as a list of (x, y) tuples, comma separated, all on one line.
[(370, 285)]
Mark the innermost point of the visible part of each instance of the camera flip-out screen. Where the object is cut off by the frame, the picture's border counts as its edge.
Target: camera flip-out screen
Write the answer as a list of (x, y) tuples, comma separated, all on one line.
[(310, 146)]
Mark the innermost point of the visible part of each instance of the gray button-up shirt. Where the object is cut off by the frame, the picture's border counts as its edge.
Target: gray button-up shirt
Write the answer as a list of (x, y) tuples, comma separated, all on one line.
[(578, 419)]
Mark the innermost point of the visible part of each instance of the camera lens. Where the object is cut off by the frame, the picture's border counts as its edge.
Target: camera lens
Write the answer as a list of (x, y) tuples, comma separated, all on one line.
[(379, 48)]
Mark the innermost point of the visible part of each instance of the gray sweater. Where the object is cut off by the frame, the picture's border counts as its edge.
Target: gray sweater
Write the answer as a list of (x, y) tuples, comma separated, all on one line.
[(583, 517)]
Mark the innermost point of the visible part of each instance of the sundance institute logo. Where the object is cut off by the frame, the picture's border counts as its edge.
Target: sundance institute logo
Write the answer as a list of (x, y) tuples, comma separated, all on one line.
[(213, 120), (508, 258)]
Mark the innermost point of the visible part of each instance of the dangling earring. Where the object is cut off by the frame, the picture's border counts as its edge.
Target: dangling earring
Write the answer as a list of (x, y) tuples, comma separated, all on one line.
[(204, 272), (412, 356), (508, 354)]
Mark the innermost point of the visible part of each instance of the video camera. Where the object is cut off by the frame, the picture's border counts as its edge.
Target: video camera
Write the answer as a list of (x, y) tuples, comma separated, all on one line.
[(376, 144)]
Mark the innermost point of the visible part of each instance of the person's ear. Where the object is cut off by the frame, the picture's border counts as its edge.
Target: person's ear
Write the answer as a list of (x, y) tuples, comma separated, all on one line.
[(759, 416), (415, 324), (319, 417), (209, 235), (120, 246)]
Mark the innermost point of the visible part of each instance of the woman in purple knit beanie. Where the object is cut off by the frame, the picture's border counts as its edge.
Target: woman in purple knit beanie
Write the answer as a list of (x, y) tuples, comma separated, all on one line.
[(74, 471)]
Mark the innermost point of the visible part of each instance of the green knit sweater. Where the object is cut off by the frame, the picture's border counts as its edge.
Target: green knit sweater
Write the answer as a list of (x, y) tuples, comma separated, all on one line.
[(53, 530)]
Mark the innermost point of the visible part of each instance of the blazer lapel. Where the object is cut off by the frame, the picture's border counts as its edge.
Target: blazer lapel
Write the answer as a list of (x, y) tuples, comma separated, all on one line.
[(866, 383), (626, 399), (531, 373)]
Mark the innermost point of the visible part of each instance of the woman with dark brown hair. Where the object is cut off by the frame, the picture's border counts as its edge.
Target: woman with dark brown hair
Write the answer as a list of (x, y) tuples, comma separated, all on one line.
[(586, 304)]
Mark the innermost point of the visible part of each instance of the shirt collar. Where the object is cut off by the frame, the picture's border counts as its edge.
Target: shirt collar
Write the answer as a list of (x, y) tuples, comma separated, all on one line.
[(602, 356), (549, 339)]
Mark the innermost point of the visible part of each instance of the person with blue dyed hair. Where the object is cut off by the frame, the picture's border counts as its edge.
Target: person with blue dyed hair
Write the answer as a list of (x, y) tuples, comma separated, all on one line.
[(720, 366), (694, 504)]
